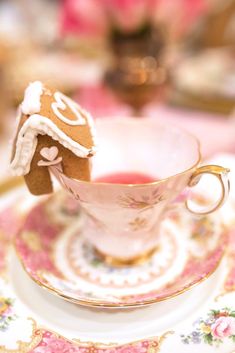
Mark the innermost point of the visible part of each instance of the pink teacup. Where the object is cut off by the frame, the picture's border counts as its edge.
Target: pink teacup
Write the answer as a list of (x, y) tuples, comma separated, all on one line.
[(123, 219)]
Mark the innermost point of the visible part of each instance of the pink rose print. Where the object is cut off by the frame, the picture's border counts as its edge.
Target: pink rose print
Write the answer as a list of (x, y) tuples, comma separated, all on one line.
[(54, 344), (223, 327), (132, 349), (214, 328)]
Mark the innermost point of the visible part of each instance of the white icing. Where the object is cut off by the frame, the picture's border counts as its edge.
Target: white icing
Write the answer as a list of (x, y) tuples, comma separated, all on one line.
[(42, 163), (27, 141), (32, 98), (61, 102), (18, 117)]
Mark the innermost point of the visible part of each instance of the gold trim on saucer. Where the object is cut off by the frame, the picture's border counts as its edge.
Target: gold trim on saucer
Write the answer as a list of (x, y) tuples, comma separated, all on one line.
[(100, 303), (86, 276), (24, 347), (9, 184), (97, 304), (155, 342)]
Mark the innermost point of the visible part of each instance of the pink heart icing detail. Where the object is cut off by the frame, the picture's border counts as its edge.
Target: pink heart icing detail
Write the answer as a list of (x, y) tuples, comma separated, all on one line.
[(49, 153)]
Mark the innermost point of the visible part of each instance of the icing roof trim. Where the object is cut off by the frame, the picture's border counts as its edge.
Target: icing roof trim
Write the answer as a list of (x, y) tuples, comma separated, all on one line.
[(26, 141)]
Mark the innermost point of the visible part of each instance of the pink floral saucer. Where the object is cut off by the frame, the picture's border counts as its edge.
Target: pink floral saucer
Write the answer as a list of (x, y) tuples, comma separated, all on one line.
[(54, 253)]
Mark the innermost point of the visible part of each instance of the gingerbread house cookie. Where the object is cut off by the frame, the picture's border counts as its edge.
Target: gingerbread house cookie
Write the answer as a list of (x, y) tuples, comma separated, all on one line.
[(51, 130)]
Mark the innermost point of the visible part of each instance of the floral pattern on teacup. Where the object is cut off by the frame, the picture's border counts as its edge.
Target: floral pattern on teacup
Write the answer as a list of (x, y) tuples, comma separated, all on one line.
[(142, 203), (74, 194), (138, 223), (214, 329)]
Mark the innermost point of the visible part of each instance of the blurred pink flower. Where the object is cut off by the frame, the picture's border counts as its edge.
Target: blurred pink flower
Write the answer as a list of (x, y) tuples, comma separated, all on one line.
[(101, 102), (82, 17), (94, 17), (129, 15), (223, 327), (179, 15)]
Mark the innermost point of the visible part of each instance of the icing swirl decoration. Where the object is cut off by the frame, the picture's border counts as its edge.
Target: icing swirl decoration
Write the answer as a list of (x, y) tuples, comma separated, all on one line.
[(34, 123), (62, 102)]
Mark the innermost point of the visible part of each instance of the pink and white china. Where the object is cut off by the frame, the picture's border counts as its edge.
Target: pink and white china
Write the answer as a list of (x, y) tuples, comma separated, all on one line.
[(54, 251), (32, 320), (123, 220)]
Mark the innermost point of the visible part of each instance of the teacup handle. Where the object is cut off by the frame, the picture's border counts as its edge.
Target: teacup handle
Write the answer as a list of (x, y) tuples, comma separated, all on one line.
[(222, 175)]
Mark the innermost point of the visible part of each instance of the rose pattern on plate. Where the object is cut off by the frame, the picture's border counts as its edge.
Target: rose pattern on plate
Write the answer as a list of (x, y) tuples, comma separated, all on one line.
[(63, 210), (53, 343), (229, 284), (42, 235), (42, 340), (222, 324), (202, 229), (45, 341), (214, 329), (42, 267), (6, 313)]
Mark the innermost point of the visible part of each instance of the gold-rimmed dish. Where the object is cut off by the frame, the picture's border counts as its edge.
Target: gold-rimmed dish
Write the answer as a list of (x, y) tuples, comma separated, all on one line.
[(54, 253)]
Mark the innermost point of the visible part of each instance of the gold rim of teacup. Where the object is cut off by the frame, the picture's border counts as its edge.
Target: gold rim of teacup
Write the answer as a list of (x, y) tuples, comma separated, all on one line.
[(157, 182)]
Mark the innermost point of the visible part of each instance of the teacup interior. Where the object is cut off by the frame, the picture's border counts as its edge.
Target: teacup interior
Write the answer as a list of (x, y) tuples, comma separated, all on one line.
[(143, 146)]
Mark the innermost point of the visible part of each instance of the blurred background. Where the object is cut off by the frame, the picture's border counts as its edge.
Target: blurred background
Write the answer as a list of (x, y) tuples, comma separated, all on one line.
[(172, 60)]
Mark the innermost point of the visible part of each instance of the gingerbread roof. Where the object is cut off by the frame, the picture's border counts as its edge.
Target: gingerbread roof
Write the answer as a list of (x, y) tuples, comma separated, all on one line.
[(48, 112)]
